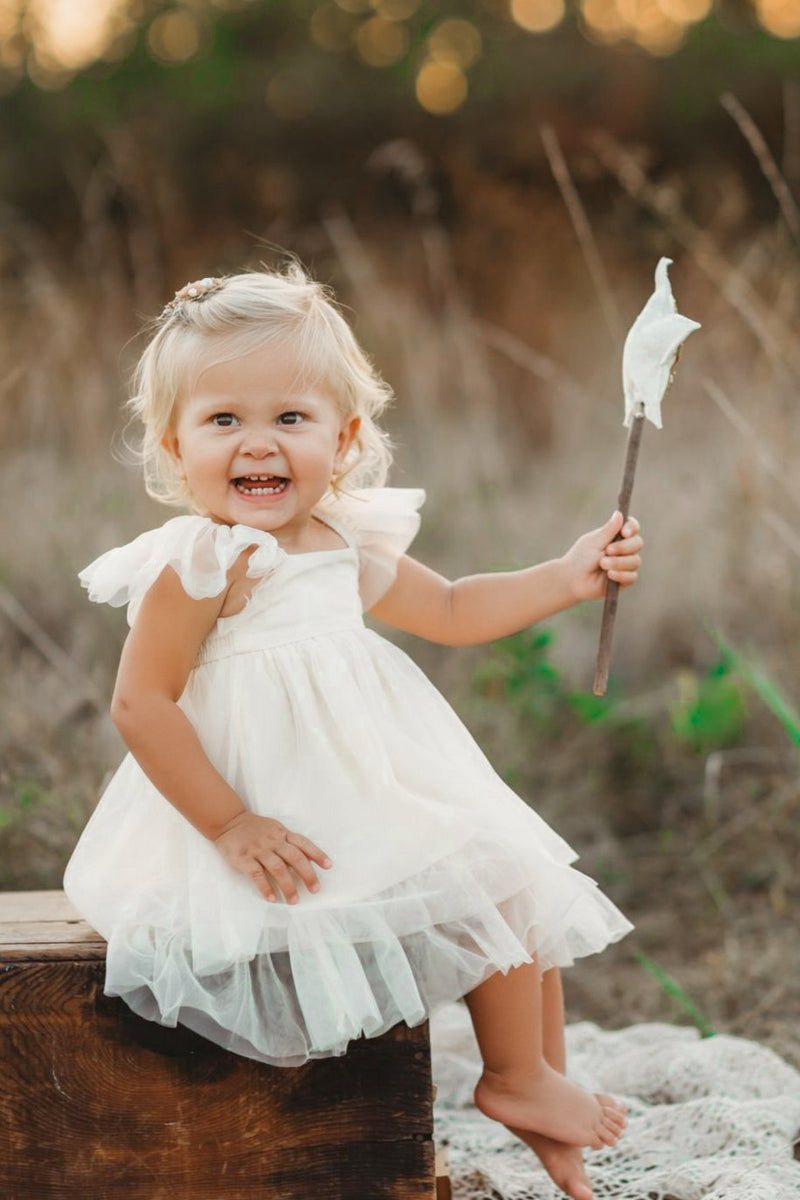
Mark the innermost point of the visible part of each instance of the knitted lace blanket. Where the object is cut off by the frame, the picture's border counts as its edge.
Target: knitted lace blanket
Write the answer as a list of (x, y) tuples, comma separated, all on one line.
[(712, 1118)]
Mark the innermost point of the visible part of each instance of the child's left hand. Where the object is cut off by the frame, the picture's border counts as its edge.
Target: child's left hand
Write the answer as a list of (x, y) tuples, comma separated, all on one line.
[(596, 557)]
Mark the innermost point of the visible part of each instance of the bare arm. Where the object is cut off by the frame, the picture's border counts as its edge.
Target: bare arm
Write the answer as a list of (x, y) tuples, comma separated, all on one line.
[(482, 608), (157, 658), (158, 655)]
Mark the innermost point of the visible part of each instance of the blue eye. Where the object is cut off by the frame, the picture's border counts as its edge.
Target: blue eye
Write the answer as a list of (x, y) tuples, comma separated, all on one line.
[(224, 420), (299, 417)]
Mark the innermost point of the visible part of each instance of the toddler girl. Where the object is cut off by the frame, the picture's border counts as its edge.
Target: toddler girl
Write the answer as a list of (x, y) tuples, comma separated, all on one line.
[(305, 844)]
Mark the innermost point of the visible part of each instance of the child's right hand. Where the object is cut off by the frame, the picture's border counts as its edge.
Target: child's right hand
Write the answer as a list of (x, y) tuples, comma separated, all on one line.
[(269, 854)]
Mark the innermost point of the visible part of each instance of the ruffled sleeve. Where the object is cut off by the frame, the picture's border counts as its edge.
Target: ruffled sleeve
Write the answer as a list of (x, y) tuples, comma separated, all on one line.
[(199, 550), (383, 522)]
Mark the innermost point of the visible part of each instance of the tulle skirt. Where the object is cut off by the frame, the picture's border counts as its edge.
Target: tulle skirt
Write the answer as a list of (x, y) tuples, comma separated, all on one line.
[(441, 874)]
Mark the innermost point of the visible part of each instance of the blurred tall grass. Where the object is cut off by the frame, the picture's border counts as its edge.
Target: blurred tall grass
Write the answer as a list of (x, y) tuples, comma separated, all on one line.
[(509, 413)]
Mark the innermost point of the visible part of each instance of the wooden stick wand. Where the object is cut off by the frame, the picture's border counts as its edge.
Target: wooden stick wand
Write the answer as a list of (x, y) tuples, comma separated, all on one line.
[(649, 359), (612, 587)]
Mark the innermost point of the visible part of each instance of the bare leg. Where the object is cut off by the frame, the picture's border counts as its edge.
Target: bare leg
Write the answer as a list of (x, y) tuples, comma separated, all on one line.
[(518, 1086), (563, 1163), (553, 1021)]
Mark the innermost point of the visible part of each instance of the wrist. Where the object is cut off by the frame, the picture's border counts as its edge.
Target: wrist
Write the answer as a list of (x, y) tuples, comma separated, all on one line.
[(568, 580), (216, 830)]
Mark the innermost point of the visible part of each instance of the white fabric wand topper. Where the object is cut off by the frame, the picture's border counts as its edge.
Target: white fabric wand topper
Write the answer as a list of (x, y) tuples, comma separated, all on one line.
[(651, 350), (649, 358)]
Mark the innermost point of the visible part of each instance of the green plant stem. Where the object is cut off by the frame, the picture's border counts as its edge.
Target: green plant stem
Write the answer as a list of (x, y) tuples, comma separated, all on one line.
[(674, 990)]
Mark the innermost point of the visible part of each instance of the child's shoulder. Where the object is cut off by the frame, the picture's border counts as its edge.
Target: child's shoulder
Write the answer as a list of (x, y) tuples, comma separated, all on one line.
[(201, 551)]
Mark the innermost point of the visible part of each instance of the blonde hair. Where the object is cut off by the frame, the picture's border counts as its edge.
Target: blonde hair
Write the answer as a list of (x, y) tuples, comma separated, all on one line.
[(241, 314)]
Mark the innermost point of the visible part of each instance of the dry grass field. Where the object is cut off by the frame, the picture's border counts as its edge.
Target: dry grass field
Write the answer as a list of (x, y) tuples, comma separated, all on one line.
[(681, 790)]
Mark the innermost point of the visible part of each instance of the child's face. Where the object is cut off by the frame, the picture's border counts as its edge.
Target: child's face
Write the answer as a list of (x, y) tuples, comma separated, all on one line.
[(256, 448)]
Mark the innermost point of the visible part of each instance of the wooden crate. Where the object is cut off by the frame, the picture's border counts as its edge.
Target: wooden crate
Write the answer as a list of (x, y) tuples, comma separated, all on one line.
[(97, 1102)]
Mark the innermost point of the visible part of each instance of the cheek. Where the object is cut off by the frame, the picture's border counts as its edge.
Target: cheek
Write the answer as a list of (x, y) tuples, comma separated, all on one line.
[(200, 454), (320, 448)]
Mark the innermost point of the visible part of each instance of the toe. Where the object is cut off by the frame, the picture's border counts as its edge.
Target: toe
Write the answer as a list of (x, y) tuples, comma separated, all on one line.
[(611, 1131), (575, 1184), (614, 1116), (614, 1121), (607, 1135)]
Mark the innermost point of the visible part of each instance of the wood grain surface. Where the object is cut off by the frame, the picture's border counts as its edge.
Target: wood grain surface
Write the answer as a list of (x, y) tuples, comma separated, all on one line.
[(44, 924), (98, 1103)]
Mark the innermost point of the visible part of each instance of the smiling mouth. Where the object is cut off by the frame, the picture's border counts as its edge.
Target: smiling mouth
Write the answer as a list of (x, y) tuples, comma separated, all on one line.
[(260, 485)]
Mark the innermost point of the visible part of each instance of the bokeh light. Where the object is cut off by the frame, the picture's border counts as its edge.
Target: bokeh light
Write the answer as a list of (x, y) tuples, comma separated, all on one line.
[(331, 27), (603, 21), (781, 17), (441, 87), (381, 42), (650, 26), (537, 16), (10, 15), (54, 39), (661, 35), (658, 26), (120, 46), (174, 37), (455, 41), (67, 35), (13, 46), (396, 10), (690, 11)]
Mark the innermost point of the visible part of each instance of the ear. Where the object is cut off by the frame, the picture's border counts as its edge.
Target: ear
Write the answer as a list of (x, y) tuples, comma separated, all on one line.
[(347, 435), (170, 443)]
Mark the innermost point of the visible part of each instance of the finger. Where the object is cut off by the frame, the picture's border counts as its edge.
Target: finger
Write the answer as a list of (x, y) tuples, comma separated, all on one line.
[(260, 878), (631, 545), (309, 848), (624, 578), (621, 566), (298, 861), (612, 526), (630, 527), (282, 876), (604, 533), (631, 562)]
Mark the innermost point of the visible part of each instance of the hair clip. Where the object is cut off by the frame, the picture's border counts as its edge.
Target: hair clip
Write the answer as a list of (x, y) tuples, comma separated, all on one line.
[(193, 291)]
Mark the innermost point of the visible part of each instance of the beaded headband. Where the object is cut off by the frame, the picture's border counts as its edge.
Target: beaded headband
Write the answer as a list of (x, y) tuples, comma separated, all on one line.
[(192, 291)]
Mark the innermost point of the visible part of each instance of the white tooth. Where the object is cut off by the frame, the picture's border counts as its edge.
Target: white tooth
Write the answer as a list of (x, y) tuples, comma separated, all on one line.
[(263, 491)]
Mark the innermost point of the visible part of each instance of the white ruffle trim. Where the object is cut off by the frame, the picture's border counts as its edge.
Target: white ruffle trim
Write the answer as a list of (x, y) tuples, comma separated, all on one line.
[(382, 521), (200, 550), (385, 522), (311, 981)]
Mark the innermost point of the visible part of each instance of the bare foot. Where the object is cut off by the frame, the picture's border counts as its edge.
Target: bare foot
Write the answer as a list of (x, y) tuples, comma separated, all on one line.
[(563, 1163), (548, 1103)]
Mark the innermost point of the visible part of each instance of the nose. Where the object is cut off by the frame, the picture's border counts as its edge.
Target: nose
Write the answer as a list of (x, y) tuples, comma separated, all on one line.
[(259, 443)]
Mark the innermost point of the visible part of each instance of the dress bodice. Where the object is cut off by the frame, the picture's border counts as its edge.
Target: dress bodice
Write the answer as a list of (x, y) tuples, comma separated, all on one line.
[(294, 596), (307, 595)]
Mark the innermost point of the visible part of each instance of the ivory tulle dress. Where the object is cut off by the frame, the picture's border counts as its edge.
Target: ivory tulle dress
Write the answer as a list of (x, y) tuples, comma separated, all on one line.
[(441, 874)]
